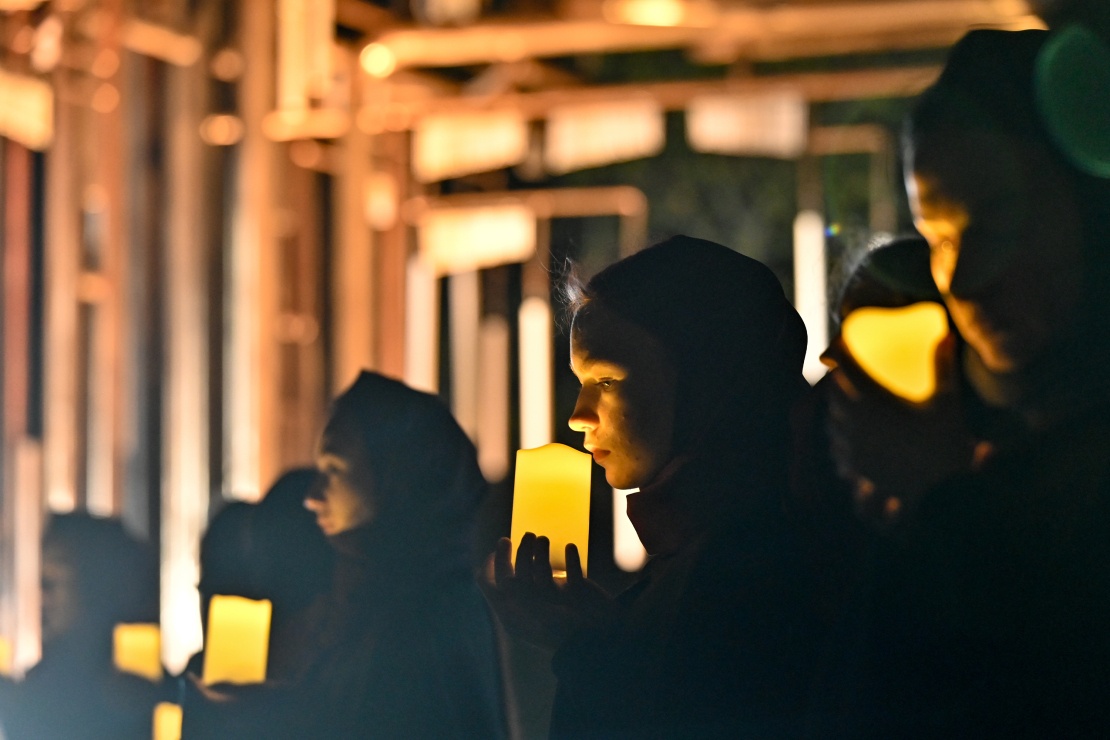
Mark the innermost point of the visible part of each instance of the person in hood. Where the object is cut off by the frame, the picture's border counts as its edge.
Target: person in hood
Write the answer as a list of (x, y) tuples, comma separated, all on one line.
[(407, 647), (689, 357)]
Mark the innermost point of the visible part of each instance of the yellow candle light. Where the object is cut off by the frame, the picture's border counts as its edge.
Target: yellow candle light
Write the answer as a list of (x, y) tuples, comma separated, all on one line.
[(167, 721), (5, 657), (551, 498), (238, 640), (137, 648), (897, 346)]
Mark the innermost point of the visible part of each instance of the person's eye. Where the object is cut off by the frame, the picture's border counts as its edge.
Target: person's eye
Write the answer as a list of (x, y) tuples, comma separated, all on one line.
[(606, 384)]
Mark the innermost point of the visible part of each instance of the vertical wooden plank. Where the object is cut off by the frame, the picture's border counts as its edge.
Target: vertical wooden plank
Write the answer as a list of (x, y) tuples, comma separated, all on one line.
[(108, 379), (353, 290), (391, 261), (20, 482), (62, 253), (251, 300), (185, 421), (536, 349), (17, 286)]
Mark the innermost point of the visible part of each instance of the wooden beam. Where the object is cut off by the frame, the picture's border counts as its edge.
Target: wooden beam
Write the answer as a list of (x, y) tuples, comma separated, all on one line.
[(815, 86), (775, 31)]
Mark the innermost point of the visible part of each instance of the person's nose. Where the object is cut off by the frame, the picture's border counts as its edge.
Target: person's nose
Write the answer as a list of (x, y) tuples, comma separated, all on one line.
[(584, 417), (313, 504)]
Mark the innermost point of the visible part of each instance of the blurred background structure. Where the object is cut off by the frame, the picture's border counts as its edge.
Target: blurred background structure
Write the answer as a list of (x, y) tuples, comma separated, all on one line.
[(215, 212)]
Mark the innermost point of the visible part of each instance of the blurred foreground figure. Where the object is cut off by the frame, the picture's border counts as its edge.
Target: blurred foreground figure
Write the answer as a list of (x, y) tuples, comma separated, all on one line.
[(406, 647), (272, 550), (94, 576), (896, 434), (987, 613), (690, 357)]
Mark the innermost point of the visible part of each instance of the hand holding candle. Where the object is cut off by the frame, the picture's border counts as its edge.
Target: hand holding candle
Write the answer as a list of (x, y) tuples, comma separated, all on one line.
[(552, 498), (237, 643)]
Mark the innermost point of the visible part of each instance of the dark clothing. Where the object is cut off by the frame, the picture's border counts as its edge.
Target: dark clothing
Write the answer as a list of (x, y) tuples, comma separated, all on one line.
[(989, 615), (405, 659), (407, 647), (77, 694), (717, 639), (397, 659)]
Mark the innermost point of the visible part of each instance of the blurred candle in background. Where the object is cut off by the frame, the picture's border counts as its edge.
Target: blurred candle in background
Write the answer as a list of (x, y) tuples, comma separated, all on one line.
[(237, 643), (551, 498), (167, 721), (5, 657), (137, 648), (897, 346)]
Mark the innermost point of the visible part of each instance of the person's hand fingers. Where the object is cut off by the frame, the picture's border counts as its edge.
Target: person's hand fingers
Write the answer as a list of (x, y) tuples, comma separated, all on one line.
[(525, 555), (541, 563), (946, 365), (574, 566), (502, 562)]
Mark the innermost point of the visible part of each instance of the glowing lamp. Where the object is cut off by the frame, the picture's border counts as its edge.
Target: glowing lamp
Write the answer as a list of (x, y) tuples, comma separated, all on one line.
[(137, 648), (5, 657), (238, 640), (897, 346), (551, 497), (167, 721)]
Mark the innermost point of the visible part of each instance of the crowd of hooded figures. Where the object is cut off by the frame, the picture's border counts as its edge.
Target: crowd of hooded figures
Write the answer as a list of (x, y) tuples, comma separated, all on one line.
[(827, 561)]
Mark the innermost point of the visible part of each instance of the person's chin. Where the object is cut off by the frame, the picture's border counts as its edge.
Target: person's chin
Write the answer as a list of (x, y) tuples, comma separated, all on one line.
[(615, 479)]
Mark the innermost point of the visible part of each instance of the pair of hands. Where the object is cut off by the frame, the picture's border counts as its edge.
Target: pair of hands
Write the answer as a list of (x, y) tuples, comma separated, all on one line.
[(893, 451), (535, 606)]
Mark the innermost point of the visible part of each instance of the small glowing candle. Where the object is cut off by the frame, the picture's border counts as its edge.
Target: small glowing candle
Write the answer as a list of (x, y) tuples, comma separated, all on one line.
[(897, 346), (238, 639), (137, 648), (5, 657), (167, 721), (551, 498)]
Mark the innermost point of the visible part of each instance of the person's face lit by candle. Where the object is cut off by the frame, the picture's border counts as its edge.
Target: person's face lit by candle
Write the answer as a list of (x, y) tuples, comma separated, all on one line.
[(626, 404), (343, 502), (1004, 235)]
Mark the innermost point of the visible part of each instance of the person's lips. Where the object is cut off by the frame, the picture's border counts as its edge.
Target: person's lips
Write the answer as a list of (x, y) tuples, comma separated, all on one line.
[(599, 455)]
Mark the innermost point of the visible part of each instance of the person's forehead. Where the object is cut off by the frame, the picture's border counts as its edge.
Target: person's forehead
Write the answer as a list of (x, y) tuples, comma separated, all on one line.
[(601, 336), (978, 169)]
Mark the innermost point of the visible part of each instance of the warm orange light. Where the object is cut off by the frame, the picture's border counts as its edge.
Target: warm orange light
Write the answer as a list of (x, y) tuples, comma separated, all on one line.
[(378, 60), (167, 721), (551, 498), (5, 657), (237, 643), (897, 346), (137, 648), (628, 552), (593, 134), (221, 129), (645, 12), (463, 239)]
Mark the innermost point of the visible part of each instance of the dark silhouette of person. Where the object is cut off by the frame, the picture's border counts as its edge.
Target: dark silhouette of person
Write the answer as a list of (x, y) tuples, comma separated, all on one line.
[(987, 615), (689, 357), (271, 550), (94, 576), (875, 436), (406, 646)]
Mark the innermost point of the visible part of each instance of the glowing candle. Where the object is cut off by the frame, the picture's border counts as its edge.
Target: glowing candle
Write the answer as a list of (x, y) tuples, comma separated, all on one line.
[(897, 346), (167, 721), (238, 640), (552, 498), (137, 648), (5, 657)]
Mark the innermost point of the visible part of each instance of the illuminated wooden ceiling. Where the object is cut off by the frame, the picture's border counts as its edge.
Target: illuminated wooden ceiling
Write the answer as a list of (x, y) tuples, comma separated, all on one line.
[(518, 56), (710, 31)]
